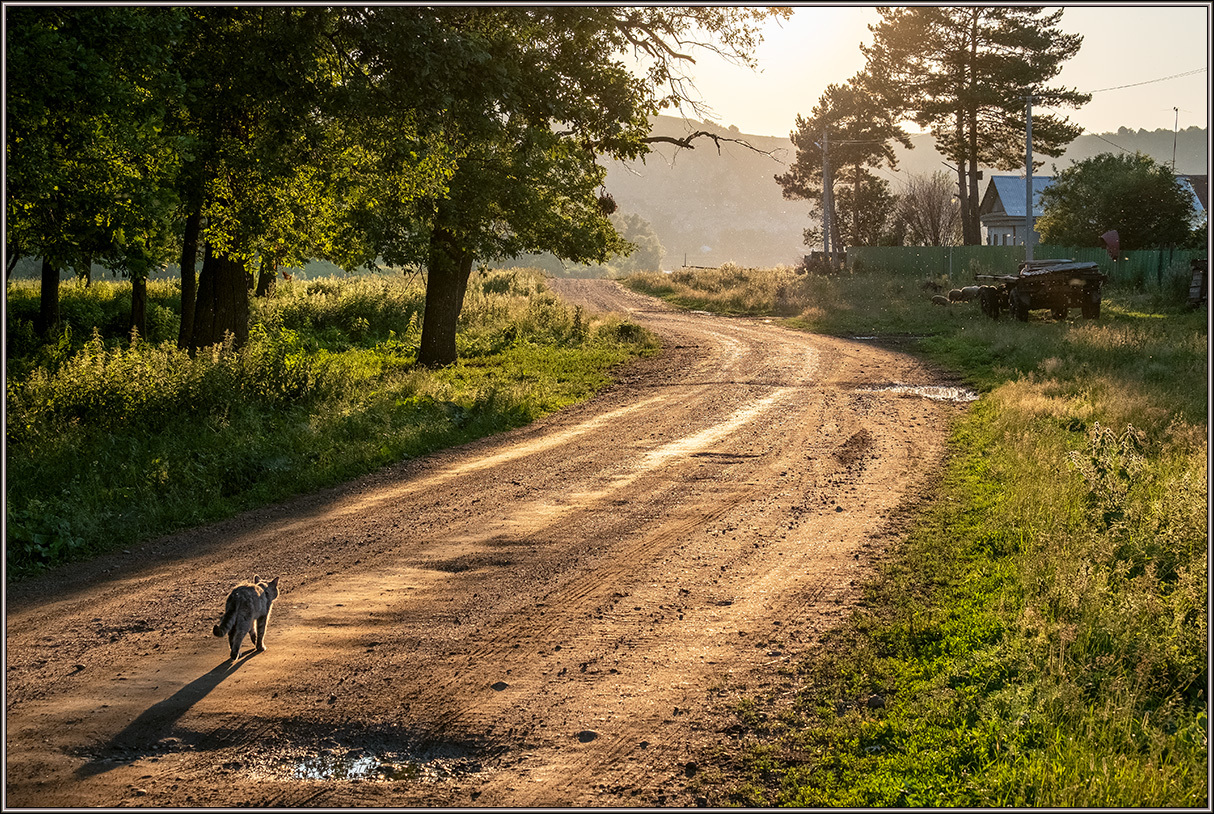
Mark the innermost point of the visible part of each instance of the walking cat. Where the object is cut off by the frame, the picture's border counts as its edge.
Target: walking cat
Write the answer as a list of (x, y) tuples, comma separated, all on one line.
[(247, 611)]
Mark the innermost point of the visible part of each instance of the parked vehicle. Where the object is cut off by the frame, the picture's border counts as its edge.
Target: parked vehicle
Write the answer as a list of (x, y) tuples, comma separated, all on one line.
[(1058, 285)]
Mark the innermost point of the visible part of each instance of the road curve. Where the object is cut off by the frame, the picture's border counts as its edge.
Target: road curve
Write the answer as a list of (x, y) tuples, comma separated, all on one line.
[(549, 617)]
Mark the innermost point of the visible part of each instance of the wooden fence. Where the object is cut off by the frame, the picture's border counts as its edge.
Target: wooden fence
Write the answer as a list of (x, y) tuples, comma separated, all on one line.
[(958, 264)]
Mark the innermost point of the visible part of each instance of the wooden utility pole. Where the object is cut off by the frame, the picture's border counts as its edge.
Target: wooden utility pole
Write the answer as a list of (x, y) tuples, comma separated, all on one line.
[(828, 199), (1175, 130), (825, 145), (1028, 178)]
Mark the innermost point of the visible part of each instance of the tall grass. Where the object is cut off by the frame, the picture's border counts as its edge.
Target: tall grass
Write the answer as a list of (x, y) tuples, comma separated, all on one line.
[(1041, 637), (730, 289), (112, 439)]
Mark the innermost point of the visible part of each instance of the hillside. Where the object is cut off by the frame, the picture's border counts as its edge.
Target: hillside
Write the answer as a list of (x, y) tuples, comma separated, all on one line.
[(709, 208)]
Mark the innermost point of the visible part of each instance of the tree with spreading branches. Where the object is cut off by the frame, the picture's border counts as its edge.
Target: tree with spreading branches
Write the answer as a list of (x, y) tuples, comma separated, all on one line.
[(90, 165), (441, 136), (528, 99), (1132, 194)]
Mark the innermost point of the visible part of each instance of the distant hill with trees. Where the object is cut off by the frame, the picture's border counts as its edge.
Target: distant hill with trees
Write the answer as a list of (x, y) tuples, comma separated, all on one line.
[(708, 208)]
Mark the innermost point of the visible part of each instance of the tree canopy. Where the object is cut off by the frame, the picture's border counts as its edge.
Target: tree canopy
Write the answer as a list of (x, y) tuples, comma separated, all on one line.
[(965, 73), (258, 136), (857, 131), (89, 163), (1132, 194)]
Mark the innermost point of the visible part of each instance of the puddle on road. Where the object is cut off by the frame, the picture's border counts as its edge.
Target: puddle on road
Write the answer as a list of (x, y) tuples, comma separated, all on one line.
[(331, 767), (359, 764), (958, 394), (330, 760)]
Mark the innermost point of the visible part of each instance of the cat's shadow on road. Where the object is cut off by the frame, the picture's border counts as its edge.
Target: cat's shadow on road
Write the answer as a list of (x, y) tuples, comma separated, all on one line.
[(141, 736)]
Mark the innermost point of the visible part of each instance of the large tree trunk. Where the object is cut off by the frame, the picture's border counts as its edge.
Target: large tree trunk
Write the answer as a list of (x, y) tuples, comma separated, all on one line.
[(449, 267), (267, 276), (963, 201), (974, 208), (189, 280), (139, 304), (971, 208), (970, 234), (223, 301), (971, 226), (12, 255), (48, 306)]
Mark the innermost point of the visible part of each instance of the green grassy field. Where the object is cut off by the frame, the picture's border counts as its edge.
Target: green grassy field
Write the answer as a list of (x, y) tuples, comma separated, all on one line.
[(111, 441), (1040, 639)]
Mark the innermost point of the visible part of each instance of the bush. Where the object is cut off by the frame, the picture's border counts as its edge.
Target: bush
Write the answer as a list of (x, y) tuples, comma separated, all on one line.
[(112, 439)]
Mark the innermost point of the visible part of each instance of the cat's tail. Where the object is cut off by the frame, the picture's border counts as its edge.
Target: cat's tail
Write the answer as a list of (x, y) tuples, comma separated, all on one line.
[(225, 624)]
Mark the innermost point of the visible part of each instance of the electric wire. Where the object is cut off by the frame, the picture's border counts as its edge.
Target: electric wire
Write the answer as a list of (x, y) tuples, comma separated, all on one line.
[(1151, 81)]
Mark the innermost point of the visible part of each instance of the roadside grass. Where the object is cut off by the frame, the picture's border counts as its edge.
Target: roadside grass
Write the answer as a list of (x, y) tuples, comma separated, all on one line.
[(730, 289), (1040, 638), (113, 439)]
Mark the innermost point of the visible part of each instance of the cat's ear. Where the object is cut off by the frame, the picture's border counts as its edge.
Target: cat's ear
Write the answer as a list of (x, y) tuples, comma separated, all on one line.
[(256, 579), (274, 582)]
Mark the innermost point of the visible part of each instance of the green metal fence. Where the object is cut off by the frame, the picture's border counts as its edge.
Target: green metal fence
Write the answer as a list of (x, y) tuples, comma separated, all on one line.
[(959, 264)]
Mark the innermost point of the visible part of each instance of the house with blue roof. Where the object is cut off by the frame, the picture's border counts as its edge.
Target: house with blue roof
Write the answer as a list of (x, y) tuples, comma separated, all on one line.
[(1001, 211)]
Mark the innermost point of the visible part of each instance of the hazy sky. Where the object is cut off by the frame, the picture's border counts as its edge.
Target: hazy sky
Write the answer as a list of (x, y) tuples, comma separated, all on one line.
[(1122, 45)]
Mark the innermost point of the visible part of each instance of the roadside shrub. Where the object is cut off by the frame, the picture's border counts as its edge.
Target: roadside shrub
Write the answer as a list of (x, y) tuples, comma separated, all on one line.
[(112, 439)]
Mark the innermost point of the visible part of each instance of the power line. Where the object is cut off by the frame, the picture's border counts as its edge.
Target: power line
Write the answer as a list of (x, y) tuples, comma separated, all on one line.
[(1151, 81), (1105, 140)]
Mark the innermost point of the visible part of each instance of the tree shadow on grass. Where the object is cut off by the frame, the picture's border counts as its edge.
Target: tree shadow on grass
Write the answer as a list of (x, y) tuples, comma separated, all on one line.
[(141, 736)]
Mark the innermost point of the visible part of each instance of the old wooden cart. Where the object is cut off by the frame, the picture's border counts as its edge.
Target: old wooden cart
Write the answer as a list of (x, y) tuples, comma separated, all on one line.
[(1058, 285)]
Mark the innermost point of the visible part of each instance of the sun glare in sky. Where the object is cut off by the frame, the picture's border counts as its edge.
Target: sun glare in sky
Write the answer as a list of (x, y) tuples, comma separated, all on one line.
[(1122, 45)]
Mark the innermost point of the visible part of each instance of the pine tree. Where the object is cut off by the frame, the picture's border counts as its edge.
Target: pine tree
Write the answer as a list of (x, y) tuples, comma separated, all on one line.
[(964, 73), (859, 132)]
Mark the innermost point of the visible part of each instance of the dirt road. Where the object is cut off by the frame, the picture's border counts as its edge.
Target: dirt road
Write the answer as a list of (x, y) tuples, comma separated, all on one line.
[(555, 616)]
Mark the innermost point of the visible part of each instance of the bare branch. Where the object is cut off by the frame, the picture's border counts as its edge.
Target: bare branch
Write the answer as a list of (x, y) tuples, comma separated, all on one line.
[(654, 40), (686, 142)]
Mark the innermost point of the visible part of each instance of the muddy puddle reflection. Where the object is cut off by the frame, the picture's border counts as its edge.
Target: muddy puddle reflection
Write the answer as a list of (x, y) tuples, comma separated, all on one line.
[(938, 393), (334, 762), (358, 764)]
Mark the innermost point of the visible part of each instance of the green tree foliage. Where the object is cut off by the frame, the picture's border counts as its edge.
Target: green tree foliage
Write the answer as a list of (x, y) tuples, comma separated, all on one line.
[(964, 72), (871, 206), (90, 166), (862, 132), (257, 80), (526, 99), (444, 135), (647, 253), (1129, 193)]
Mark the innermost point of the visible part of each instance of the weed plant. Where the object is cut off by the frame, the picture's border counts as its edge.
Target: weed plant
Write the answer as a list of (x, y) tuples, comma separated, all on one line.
[(113, 438), (1040, 639)]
